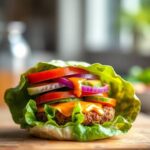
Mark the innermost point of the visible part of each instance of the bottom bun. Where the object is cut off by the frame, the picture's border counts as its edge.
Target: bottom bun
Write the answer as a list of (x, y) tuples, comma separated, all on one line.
[(52, 132)]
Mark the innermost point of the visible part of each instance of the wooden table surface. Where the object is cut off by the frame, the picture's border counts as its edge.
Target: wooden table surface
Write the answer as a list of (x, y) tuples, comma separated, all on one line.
[(12, 137)]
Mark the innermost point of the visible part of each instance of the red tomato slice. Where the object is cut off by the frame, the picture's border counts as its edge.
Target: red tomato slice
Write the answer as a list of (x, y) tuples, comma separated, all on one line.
[(54, 73), (51, 96)]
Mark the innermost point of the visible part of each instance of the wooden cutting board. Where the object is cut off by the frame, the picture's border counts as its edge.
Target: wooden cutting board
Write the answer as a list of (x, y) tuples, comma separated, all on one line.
[(12, 137)]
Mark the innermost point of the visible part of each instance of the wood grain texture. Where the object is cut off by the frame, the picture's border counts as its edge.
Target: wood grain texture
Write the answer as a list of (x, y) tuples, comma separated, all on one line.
[(12, 138)]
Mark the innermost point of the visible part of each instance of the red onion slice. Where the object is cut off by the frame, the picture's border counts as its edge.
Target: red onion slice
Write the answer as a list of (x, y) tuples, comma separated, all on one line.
[(86, 76), (89, 89), (66, 82), (85, 88)]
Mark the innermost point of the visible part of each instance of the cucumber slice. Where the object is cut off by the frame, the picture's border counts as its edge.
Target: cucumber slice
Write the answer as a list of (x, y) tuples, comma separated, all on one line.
[(100, 99), (44, 88), (64, 100)]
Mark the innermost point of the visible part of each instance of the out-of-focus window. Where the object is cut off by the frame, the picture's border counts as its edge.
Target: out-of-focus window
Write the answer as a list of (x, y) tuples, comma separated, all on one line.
[(96, 24), (101, 31), (126, 33)]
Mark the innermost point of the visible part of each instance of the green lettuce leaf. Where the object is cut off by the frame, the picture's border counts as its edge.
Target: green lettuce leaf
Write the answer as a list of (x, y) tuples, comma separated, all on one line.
[(23, 109), (76, 129)]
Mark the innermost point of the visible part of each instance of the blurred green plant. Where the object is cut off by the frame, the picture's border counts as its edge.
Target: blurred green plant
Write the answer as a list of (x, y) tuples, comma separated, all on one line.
[(142, 17), (138, 74)]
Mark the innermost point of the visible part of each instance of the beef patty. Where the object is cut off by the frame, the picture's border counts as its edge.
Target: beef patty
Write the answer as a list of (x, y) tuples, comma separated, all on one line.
[(89, 117)]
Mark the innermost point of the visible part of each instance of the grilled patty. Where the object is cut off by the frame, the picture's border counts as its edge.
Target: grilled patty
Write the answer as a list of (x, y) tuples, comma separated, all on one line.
[(89, 117)]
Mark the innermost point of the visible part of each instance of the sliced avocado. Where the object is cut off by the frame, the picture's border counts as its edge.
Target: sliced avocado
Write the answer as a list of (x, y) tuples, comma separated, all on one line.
[(93, 83)]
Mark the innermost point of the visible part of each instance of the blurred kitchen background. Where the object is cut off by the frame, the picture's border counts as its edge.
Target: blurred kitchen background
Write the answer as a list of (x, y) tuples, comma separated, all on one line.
[(112, 32)]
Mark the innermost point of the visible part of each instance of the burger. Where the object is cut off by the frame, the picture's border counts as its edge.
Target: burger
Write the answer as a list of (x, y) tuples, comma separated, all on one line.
[(73, 101)]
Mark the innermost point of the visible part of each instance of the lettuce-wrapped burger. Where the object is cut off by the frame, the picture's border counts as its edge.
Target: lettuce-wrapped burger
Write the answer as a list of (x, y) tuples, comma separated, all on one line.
[(73, 101)]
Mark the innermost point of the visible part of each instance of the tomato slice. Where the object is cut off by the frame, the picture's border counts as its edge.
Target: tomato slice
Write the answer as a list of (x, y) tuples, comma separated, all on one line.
[(103, 100), (52, 96), (53, 74)]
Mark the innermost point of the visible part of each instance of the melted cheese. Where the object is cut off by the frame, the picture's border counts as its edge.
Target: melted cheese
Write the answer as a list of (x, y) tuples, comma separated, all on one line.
[(67, 107)]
